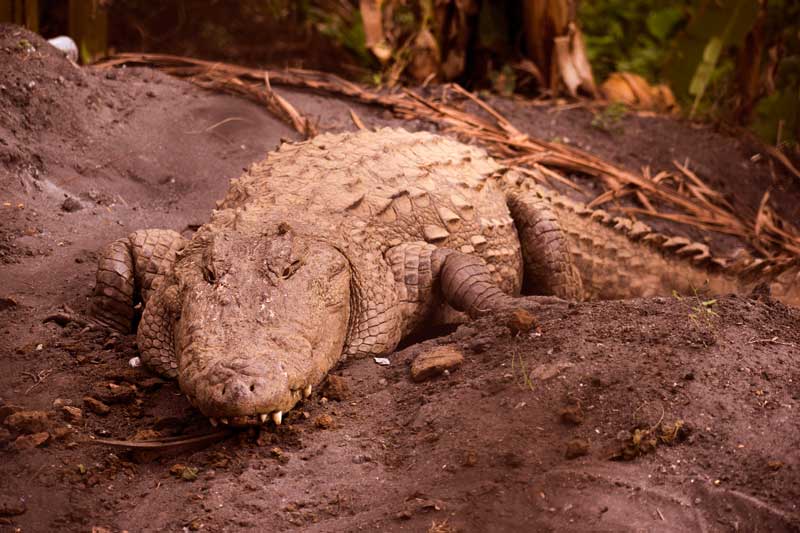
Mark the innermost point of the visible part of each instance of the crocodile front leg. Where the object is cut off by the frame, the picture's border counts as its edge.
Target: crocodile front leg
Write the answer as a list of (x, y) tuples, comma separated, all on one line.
[(129, 270), (155, 336)]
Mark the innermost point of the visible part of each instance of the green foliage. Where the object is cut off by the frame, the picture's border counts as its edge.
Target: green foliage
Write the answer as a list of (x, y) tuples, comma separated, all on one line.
[(344, 28), (631, 35)]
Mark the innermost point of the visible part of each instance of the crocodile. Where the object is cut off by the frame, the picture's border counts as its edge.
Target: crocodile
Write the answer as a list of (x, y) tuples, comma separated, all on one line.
[(343, 245)]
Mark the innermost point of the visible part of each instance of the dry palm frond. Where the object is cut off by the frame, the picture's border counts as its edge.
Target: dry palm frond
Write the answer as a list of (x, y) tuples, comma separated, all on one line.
[(688, 198)]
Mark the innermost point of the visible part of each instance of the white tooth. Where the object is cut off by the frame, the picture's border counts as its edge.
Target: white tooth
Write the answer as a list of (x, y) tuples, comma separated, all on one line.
[(213, 421), (277, 417), (263, 417), (307, 391), (224, 421)]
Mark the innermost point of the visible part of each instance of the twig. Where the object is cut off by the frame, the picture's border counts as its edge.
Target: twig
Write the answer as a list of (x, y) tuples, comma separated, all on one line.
[(166, 442), (773, 340), (38, 378), (356, 120)]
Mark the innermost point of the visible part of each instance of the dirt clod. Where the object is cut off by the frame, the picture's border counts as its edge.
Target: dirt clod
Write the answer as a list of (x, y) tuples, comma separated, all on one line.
[(521, 321), (12, 506), (96, 406), (571, 415), (324, 421), (335, 388), (113, 393), (576, 448), (72, 414), (70, 205), (27, 442), (436, 361), (28, 421)]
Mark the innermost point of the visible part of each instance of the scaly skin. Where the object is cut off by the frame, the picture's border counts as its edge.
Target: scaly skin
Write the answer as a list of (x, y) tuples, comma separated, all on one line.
[(343, 245)]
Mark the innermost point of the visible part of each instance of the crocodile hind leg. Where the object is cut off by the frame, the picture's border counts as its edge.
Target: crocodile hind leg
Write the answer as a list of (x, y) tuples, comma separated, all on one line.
[(427, 276), (129, 270), (548, 263)]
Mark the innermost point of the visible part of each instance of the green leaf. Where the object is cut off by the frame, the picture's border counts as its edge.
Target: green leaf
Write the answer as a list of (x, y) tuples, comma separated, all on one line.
[(663, 22)]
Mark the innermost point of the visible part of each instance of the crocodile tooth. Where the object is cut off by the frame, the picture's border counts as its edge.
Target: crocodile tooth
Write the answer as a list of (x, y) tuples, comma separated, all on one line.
[(307, 391), (224, 421), (277, 417), (213, 421), (263, 417)]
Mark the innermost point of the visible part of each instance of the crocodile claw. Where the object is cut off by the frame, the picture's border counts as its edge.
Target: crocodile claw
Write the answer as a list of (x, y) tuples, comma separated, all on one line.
[(263, 417), (307, 391), (277, 417)]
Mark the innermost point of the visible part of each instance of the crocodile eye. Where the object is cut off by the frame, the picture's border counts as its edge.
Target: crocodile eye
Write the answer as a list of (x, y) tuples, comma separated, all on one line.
[(290, 269)]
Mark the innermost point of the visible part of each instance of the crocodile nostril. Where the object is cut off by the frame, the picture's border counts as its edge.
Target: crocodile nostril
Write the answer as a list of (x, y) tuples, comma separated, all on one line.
[(252, 387)]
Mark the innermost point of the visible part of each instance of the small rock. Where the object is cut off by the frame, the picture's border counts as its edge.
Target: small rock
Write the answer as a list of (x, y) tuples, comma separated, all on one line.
[(10, 506), (28, 421), (323, 421), (361, 459), (576, 448), (96, 406), (70, 205), (521, 321), (72, 414), (58, 403), (435, 361), (335, 388), (27, 442)]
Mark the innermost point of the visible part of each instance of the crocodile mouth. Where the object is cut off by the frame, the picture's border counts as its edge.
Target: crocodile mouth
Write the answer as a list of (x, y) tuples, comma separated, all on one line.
[(260, 418)]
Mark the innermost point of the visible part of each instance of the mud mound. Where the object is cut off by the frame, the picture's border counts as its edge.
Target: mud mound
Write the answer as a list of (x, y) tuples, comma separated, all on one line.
[(663, 414)]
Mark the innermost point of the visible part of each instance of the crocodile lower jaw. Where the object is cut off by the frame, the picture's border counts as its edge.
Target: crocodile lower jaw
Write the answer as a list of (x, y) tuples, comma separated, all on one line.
[(256, 419)]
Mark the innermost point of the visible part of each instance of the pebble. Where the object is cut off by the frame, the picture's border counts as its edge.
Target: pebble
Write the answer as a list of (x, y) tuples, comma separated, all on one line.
[(435, 361)]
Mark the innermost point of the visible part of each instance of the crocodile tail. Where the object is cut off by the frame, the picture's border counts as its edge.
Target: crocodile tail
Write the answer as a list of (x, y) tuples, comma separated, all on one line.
[(621, 258)]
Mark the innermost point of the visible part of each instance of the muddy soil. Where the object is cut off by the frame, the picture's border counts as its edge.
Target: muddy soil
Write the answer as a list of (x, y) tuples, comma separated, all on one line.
[(659, 414)]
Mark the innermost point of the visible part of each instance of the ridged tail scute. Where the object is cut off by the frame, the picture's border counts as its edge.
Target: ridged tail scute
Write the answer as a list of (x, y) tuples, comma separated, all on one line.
[(621, 258)]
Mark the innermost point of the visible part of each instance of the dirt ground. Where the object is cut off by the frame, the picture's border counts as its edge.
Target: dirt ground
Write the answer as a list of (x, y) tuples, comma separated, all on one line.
[(645, 415)]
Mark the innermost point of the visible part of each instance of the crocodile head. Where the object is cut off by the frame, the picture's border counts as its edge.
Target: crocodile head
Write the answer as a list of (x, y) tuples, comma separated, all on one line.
[(263, 317)]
